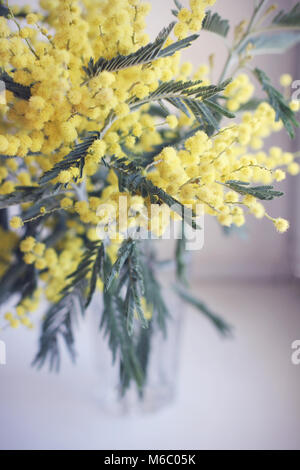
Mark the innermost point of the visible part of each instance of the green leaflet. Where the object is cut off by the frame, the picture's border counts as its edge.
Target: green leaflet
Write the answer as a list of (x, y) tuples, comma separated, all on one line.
[(178, 6), (278, 103), (251, 105), (215, 24), (217, 321), (290, 18), (57, 323), (30, 194), (265, 193), (92, 260), (154, 295), (137, 279), (123, 254), (113, 323), (19, 91), (128, 269)]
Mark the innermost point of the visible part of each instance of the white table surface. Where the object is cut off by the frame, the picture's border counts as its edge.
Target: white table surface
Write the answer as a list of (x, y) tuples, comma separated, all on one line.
[(242, 393)]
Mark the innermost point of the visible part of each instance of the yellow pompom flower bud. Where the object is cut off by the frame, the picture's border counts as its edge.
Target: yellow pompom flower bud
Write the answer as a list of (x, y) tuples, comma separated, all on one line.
[(231, 197), (181, 30), (184, 15), (258, 210), (68, 131), (282, 225), (3, 143), (32, 18), (294, 168), (39, 249), (172, 121), (14, 323), (225, 220), (66, 203), (40, 264), (27, 244), (64, 176), (16, 222), (26, 322), (37, 103), (25, 33), (74, 96), (140, 91), (105, 79), (20, 310), (29, 258), (286, 80), (295, 106), (279, 175), (8, 316)]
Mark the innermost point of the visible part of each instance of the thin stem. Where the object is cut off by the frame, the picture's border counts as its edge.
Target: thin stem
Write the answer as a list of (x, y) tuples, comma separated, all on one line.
[(233, 50)]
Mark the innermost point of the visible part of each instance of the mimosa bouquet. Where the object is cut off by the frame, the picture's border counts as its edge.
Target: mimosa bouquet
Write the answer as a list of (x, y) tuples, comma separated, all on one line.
[(107, 138)]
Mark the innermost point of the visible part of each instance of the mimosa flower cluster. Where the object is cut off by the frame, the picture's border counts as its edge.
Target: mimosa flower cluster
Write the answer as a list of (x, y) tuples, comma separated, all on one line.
[(45, 54)]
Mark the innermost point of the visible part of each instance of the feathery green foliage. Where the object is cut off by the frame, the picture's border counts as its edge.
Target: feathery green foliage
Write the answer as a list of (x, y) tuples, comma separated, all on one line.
[(126, 282), (142, 56), (265, 193), (215, 24), (29, 194), (92, 263), (131, 281), (129, 272), (189, 97), (58, 323), (278, 103), (290, 18), (217, 321)]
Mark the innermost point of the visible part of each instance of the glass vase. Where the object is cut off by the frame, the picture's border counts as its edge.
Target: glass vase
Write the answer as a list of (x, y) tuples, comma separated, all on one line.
[(159, 388)]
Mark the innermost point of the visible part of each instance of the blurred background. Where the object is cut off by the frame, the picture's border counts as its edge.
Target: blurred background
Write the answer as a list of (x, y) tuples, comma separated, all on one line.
[(241, 393)]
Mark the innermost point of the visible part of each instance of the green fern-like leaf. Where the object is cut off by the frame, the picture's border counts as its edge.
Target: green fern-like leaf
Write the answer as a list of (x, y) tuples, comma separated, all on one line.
[(217, 321), (58, 323), (215, 24), (278, 103), (290, 18), (142, 56), (188, 97), (265, 193), (30, 194), (91, 262)]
